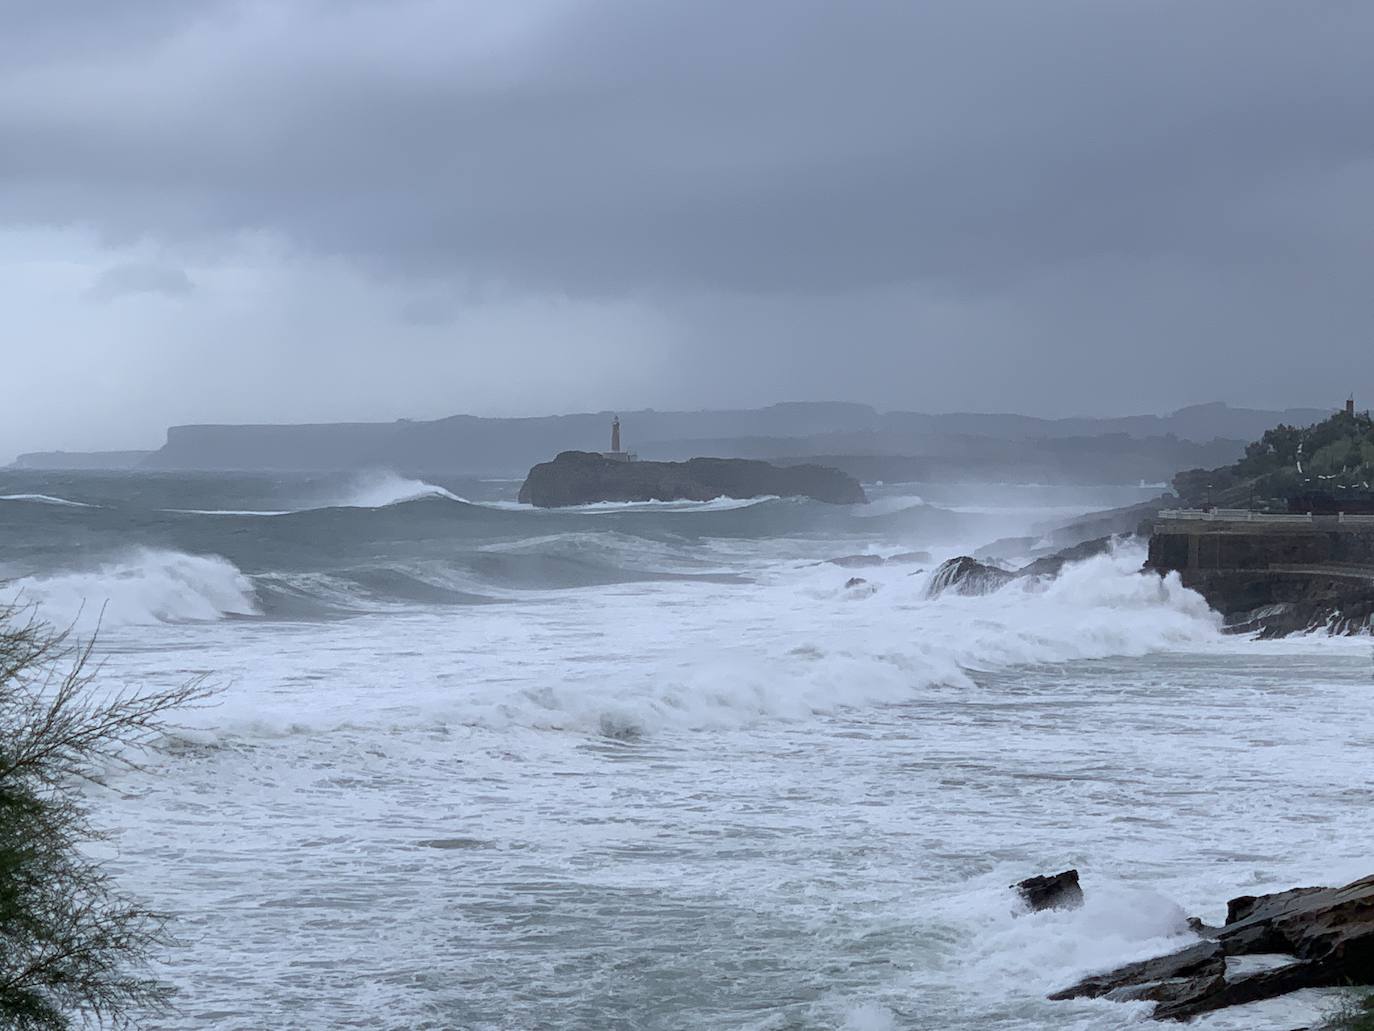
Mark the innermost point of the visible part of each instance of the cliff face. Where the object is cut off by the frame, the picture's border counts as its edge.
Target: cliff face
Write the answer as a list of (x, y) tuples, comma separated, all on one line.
[(584, 478), (1271, 579)]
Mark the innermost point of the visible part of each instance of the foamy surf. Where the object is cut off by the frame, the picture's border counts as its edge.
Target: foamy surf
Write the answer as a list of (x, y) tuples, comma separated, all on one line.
[(585, 746), (384, 489), (45, 499), (141, 587)]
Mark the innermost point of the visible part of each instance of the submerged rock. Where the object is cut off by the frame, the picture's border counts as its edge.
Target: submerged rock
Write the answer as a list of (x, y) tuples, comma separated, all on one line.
[(1308, 938), (1054, 891), (965, 575), (584, 478)]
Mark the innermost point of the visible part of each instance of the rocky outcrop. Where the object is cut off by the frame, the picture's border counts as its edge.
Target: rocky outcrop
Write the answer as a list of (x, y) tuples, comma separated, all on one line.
[(1053, 565), (964, 575), (584, 478), (1054, 891), (1308, 938), (1275, 603)]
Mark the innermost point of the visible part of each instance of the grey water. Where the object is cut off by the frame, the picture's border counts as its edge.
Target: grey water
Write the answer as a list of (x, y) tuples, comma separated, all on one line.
[(478, 766)]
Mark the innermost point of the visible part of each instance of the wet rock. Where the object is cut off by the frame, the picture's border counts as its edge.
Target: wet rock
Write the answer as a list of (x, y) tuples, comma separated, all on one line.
[(965, 575), (1055, 891), (1052, 565), (1203, 961), (855, 581), (1301, 938), (1201, 929)]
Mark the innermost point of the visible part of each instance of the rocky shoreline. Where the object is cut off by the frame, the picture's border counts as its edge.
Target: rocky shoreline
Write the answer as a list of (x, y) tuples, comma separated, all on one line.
[(1270, 945)]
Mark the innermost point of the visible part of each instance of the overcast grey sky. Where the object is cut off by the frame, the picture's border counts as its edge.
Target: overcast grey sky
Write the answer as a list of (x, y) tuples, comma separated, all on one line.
[(303, 210)]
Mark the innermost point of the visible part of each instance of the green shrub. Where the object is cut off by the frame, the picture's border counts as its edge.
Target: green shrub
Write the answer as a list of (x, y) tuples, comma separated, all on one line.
[(73, 950)]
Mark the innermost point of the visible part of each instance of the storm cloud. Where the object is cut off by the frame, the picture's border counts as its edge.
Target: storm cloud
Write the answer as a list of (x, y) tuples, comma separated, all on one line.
[(426, 207)]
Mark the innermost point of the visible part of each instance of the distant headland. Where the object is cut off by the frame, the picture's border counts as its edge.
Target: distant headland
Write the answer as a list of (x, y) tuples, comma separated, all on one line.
[(896, 446)]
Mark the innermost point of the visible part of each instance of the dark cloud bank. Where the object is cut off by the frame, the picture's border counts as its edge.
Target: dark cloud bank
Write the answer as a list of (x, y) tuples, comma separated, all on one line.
[(1063, 207)]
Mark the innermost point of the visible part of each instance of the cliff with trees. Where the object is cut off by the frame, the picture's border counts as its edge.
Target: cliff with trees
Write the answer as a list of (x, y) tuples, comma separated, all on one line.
[(1332, 458)]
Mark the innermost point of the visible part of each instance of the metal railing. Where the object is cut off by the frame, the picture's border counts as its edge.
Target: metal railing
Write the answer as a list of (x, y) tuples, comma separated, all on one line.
[(1233, 515), (1244, 515)]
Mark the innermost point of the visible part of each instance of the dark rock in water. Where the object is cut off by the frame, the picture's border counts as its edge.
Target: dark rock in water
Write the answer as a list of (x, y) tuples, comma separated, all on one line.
[(964, 575), (1053, 565), (1327, 932), (1055, 891), (855, 581), (1201, 929), (583, 478), (1203, 961)]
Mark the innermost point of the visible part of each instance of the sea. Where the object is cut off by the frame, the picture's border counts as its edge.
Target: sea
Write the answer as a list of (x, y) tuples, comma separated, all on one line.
[(664, 766)]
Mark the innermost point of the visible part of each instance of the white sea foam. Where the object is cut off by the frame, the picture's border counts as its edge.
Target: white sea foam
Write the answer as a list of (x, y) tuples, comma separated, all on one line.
[(142, 586), (381, 489), (641, 659), (713, 805), (45, 499), (721, 504), (228, 511)]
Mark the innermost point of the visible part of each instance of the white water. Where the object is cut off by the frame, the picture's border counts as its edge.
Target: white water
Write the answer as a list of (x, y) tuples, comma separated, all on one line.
[(141, 587), (769, 805), (383, 488), (44, 499)]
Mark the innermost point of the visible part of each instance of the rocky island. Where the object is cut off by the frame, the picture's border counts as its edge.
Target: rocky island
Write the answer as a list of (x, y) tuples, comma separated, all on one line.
[(585, 477)]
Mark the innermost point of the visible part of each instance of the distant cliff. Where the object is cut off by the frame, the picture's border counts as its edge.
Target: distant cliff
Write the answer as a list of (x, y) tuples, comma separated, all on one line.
[(965, 446), (583, 478), (872, 445), (109, 460)]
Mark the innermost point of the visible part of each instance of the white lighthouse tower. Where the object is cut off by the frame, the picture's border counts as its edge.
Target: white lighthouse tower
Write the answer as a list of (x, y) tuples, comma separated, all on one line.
[(616, 454)]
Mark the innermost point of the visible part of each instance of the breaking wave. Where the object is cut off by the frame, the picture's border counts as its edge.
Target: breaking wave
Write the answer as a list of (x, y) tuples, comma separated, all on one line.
[(45, 499), (144, 586), (384, 489)]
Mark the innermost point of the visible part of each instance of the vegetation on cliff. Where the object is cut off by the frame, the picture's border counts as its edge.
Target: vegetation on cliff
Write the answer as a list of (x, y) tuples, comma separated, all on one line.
[(73, 949), (1335, 456)]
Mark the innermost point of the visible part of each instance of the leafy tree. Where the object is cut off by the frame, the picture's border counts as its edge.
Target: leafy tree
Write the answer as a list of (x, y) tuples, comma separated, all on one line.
[(73, 950), (1335, 455)]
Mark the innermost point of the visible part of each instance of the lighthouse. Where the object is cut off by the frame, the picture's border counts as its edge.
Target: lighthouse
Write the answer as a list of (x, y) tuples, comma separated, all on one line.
[(616, 454)]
